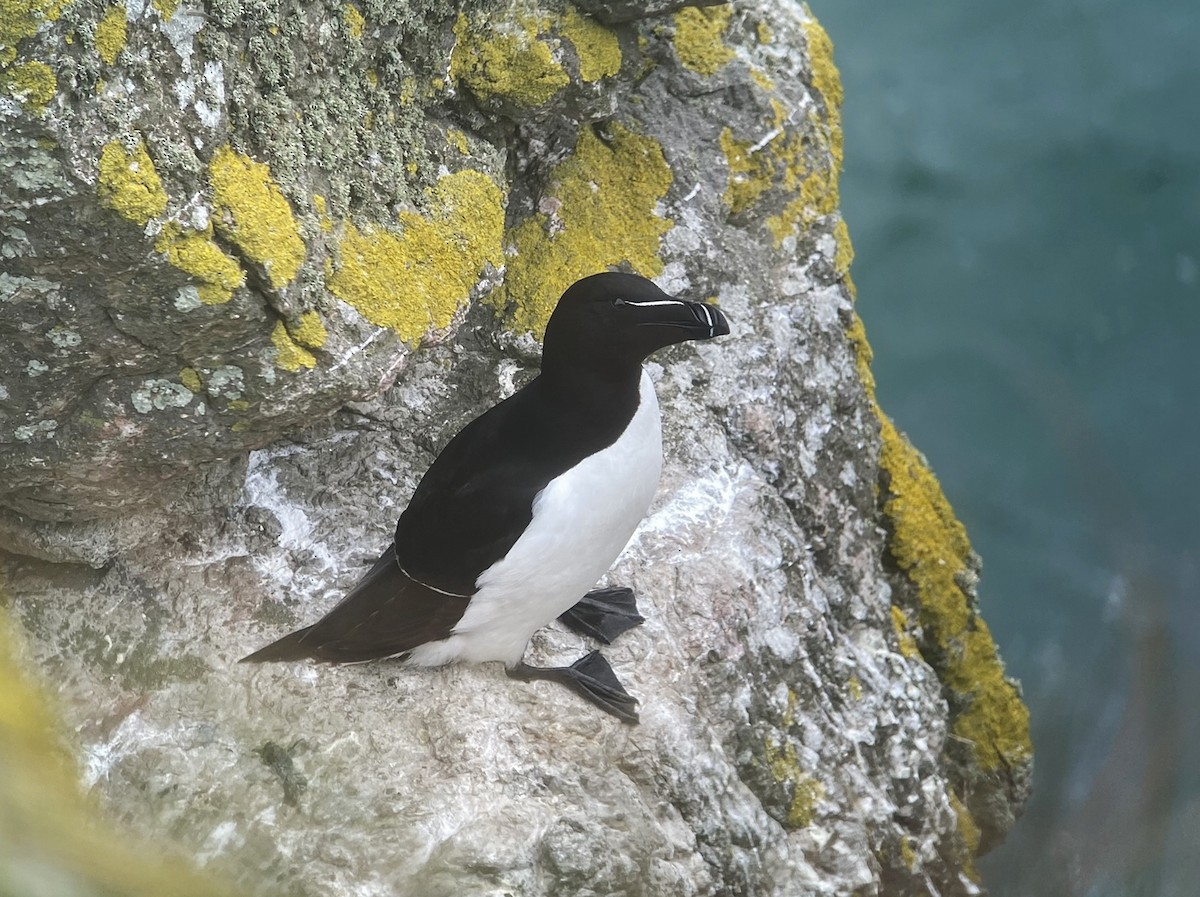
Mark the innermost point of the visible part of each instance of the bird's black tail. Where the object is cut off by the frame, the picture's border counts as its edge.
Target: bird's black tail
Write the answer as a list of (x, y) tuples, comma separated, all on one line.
[(386, 614), (289, 647)]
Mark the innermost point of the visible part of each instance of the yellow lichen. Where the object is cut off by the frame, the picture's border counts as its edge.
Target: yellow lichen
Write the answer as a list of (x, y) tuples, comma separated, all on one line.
[(784, 763), (190, 378), (900, 624), (32, 84), (129, 184), (699, 38), (240, 405), (930, 546), (196, 254), (20, 19), (606, 194), (783, 162), (828, 83), (308, 330), (355, 23), (817, 197), (458, 140), (111, 32), (597, 47), (415, 281), (51, 841), (788, 160), (289, 355), (907, 854), (762, 79), (321, 207), (844, 255), (995, 720), (856, 334), (517, 64), (969, 830), (854, 686), (251, 212), (764, 33), (166, 8)]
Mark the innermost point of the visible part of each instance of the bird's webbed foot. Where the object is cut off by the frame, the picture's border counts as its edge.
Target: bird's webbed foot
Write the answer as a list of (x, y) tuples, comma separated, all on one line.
[(590, 677), (603, 614)]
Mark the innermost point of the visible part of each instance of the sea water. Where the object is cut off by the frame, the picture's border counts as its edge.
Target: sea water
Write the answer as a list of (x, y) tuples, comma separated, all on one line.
[(1022, 185)]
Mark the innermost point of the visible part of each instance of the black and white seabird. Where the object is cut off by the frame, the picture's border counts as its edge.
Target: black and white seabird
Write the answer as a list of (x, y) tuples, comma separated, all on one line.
[(528, 506)]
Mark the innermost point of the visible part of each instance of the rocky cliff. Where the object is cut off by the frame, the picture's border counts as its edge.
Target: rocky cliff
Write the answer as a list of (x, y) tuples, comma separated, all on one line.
[(261, 259)]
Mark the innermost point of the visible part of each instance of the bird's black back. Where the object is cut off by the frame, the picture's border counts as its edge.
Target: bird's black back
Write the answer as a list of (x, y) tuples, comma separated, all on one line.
[(475, 501)]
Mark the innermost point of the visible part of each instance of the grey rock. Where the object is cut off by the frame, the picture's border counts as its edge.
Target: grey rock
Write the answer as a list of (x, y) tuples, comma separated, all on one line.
[(619, 11), (185, 488)]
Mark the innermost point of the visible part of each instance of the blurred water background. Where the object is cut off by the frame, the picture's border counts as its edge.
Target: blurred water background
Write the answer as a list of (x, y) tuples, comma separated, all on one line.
[(1022, 185)]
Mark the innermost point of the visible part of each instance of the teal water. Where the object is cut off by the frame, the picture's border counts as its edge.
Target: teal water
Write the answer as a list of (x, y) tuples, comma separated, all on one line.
[(1022, 184)]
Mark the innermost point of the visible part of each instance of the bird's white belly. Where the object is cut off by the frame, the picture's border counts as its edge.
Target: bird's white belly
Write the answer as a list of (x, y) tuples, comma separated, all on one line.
[(581, 521)]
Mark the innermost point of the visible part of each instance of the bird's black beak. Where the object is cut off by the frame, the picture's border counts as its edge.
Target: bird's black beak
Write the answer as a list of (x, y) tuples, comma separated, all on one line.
[(697, 320)]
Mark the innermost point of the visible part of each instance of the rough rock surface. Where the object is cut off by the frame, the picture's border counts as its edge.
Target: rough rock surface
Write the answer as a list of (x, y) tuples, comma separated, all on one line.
[(218, 225)]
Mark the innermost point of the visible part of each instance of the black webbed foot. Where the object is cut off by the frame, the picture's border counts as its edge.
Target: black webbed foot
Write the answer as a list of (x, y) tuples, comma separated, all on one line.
[(603, 614), (590, 677)]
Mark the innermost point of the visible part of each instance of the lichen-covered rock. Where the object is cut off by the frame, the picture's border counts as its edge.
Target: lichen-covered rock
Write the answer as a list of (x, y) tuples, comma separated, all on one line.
[(218, 227)]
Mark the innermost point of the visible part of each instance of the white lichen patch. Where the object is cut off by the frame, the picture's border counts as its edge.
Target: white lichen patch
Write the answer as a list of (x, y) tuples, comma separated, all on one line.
[(188, 298), (159, 395), (28, 432), (226, 382), (64, 338), (36, 368)]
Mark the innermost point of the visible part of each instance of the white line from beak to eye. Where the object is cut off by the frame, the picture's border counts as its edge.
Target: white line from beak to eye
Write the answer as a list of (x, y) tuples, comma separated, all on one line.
[(656, 302)]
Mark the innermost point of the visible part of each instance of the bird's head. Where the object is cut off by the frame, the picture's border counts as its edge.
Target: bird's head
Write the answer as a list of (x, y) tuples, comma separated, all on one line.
[(621, 319)]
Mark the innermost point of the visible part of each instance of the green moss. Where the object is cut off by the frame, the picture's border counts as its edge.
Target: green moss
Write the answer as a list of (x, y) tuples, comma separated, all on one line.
[(111, 34), (20, 19), (129, 184), (196, 254), (252, 213), (517, 65), (308, 330), (699, 38), (288, 354), (415, 281), (32, 84), (597, 47), (606, 192)]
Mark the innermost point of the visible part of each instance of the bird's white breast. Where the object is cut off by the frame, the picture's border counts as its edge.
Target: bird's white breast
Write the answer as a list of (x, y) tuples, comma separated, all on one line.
[(581, 521)]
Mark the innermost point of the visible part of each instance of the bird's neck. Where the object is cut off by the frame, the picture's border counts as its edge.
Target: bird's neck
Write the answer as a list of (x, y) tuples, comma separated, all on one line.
[(594, 385)]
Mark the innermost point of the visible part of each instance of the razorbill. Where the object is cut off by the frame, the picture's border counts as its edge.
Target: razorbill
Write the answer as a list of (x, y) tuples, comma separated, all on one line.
[(528, 506)]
